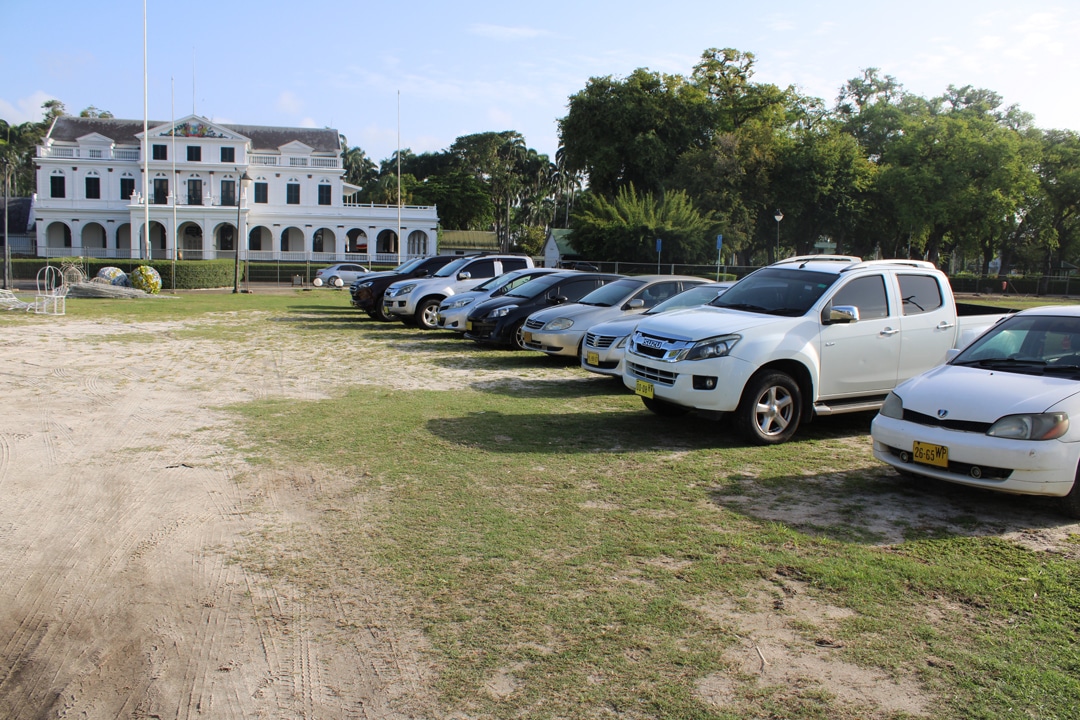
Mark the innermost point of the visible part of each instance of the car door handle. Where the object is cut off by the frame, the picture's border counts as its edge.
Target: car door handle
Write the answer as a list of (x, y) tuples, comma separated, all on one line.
[(944, 325), (889, 331)]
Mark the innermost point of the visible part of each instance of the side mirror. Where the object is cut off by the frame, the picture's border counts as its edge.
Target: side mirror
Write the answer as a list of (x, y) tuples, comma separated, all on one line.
[(842, 314), (634, 304), (556, 299), (421, 273), (464, 275)]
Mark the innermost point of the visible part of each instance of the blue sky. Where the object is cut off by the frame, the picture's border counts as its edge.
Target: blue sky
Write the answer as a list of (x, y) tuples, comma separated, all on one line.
[(473, 66)]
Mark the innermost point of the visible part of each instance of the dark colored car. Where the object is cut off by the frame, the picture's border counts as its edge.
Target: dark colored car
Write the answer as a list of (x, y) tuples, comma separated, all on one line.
[(500, 321), (367, 292)]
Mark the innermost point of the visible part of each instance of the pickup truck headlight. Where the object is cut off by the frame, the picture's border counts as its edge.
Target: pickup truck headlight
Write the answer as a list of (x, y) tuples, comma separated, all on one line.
[(403, 290), (893, 407), (367, 284), (501, 311), (559, 324), (1037, 426), (712, 347)]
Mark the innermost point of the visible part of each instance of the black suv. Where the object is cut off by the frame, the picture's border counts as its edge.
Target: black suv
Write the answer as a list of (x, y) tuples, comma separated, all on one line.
[(500, 321), (367, 292)]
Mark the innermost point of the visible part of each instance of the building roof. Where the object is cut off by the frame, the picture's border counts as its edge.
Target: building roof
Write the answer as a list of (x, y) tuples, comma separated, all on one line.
[(18, 216), (69, 128)]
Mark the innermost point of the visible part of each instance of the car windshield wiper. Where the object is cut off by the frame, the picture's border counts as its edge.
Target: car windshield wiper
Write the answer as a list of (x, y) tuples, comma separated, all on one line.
[(1065, 369), (1003, 362), (747, 307)]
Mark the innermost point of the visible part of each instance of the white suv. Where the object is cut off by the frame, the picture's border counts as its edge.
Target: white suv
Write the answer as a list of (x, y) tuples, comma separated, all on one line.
[(417, 300)]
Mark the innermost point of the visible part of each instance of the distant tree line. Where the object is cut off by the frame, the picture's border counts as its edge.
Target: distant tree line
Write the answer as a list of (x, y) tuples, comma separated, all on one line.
[(959, 179)]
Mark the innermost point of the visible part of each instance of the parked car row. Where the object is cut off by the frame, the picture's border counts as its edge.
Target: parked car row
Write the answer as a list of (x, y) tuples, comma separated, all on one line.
[(804, 337)]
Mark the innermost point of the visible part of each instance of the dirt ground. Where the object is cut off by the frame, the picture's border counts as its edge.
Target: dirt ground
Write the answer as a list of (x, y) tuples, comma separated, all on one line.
[(125, 504)]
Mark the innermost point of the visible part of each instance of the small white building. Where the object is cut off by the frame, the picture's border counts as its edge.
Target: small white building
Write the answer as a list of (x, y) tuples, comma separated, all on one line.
[(282, 188)]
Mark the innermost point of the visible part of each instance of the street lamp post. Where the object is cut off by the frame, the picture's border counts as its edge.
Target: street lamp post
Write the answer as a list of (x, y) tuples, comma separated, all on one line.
[(7, 222), (778, 217), (236, 245)]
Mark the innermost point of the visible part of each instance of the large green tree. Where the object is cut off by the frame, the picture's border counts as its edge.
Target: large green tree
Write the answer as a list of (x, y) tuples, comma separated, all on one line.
[(628, 226)]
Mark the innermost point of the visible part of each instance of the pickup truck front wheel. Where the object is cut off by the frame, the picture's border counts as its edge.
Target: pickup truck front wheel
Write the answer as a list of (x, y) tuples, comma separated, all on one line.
[(427, 313), (770, 409)]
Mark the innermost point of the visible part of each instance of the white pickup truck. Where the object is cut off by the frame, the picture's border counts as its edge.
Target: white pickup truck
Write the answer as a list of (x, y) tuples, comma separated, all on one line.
[(811, 335)]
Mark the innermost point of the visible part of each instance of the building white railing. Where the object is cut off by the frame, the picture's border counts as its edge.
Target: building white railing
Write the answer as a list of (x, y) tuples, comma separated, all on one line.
[(91, 153), (263, 159)]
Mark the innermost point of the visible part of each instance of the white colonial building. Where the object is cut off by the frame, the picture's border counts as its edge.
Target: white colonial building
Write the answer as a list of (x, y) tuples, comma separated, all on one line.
[(281, 188)]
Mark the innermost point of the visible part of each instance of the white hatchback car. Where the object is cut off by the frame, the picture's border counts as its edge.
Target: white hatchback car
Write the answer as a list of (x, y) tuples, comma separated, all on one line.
[(999, 415)]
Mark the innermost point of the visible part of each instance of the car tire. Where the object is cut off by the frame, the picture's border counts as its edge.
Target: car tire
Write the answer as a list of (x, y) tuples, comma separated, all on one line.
[(334, 281), (663, 408), (378, 313), (1070, 504), (770, 409), (427, 313), (517, 336)]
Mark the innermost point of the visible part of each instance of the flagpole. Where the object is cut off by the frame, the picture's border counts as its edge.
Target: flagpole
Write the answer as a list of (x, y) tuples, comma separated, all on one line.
[(145, 245)]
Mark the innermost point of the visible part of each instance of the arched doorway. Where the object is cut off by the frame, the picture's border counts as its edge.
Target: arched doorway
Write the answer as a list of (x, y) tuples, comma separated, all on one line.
[(386, 242), (260, 238), (324, 241), (58, 235), (191, 241), (123, 237), (292, 240), (225, 238), (417, 243), (356, 241), (94, 237)]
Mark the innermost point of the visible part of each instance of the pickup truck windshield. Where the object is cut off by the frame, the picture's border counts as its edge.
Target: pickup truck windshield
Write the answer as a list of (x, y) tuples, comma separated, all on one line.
[(777, 291)]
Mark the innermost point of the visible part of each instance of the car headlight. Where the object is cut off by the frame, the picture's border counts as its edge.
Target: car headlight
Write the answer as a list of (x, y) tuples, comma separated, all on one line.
[(893, 407), (501, 311), (404, 290), (458, 303), (559, 324), (367, 284), (1036, 426), (622, 341), (712, 347)]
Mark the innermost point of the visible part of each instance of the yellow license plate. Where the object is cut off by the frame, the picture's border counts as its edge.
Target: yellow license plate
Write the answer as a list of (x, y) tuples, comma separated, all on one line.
[(468, 326), (929, 454), (644, 389), (592, 358), (528, 337)]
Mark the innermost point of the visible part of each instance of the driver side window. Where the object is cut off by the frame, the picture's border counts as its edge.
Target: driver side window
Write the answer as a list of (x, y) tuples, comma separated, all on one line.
[(867, 294)]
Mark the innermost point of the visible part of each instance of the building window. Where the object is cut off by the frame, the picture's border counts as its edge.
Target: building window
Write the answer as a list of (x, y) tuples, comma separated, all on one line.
[(292, 194), (228, 154), (56, 186), (324, 195), (161, 152), (161, 191), (228, 192), (194, 153), (194, 191), (93, 188), (127, 188), (260, 192)]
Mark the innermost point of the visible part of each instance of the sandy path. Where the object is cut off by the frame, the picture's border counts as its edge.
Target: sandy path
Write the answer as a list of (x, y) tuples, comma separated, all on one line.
[(122, 509)]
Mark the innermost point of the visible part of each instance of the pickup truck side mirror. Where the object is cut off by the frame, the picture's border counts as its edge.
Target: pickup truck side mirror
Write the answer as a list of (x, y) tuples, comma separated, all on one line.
[(634, 304), (841, 314), (422, 273), (556, 299), (464, 275)]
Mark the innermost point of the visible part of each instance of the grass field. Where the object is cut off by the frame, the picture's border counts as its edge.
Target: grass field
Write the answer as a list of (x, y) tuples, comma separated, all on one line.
[(568, 554)]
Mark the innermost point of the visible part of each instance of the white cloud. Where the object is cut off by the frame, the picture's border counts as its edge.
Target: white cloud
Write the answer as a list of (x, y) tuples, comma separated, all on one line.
[(502, 32), (288, 102), (26, 109), (309, 123)]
